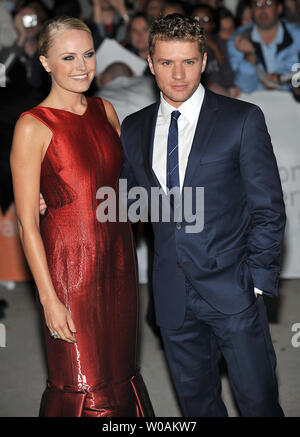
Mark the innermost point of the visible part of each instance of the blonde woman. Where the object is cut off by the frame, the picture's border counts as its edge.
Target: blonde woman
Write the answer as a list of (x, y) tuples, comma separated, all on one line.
[(85, 271)]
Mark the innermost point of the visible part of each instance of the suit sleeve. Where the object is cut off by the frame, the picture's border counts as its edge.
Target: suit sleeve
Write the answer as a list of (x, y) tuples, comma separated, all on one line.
[(127, 173), (265, 202)]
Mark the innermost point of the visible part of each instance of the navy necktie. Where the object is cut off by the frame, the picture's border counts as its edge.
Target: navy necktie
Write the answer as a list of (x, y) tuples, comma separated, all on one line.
[(172, 153)]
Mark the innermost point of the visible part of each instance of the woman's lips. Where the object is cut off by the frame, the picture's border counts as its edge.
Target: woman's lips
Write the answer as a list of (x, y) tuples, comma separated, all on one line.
[(80, 76)]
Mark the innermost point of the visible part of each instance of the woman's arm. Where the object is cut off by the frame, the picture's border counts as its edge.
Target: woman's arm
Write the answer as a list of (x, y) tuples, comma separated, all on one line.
[(30, 141)]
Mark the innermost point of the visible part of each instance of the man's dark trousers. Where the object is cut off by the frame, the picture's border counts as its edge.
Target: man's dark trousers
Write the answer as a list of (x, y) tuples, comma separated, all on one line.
[(243, 339)]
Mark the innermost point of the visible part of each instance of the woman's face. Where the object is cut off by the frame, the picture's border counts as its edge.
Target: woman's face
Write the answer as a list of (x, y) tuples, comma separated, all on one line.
[(139, 33), (227, 27), (71, 60), (246, 17)]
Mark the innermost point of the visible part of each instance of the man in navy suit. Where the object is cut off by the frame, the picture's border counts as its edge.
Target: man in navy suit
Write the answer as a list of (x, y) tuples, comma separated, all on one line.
[(208, 285)]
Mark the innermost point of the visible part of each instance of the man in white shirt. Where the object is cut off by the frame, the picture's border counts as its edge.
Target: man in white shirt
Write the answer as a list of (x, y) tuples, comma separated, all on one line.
[(207, 285)]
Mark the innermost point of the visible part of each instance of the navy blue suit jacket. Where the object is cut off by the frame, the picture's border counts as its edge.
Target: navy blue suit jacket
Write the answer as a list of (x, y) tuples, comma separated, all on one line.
[(244, 214)]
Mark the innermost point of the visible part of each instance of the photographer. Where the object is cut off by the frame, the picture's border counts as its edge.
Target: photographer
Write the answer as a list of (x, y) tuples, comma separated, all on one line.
[(21, 59)]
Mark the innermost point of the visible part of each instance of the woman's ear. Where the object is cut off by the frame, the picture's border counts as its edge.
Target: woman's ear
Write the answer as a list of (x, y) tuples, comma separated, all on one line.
[(44, 62)]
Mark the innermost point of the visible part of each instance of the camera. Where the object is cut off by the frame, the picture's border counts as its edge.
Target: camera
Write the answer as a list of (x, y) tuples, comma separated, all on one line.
[(30, 20)]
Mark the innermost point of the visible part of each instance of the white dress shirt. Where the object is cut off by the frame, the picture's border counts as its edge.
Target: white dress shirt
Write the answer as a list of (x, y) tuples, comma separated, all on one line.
[(187, 124)]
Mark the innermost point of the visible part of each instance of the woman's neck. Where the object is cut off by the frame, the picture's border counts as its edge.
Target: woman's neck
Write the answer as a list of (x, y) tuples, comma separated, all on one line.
[(62, 99)]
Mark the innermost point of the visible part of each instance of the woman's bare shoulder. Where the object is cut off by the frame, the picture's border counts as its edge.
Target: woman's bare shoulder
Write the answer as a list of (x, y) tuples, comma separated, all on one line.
[(30, 136), (28, 124)]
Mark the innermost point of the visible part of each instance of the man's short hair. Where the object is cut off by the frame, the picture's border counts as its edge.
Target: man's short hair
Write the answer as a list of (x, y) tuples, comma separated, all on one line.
[(176, 27)]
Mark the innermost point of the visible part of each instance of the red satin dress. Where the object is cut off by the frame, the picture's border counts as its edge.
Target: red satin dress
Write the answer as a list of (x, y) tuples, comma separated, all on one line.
[(93, 270)]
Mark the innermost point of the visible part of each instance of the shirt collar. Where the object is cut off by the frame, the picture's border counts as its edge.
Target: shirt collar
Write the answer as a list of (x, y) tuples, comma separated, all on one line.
[(255, 36), (189, 109)]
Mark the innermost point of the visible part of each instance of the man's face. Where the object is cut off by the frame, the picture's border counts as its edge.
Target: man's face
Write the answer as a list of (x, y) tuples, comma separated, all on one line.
[(177, 66), (265, 13)]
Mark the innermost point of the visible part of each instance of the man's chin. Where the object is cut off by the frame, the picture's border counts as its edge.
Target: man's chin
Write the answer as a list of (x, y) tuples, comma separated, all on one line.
[(266, 26), (179, 97)]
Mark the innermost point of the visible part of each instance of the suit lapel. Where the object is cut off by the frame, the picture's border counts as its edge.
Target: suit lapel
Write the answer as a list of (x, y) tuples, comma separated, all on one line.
[(204, 130), (148, 131)]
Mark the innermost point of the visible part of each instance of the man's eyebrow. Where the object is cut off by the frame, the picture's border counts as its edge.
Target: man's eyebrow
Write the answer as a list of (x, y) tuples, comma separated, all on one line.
[(187, 59), (192, 59)]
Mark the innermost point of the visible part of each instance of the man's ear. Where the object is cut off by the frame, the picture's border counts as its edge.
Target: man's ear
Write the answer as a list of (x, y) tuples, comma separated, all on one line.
[(44, 62), (150, 63), (204, 60)]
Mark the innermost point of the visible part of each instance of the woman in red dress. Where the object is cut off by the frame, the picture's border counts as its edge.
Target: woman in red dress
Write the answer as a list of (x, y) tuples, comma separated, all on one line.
[(85, 271)]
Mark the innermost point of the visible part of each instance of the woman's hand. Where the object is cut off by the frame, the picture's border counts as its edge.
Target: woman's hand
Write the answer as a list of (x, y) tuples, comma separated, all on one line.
[(43, 205), (59, 320)]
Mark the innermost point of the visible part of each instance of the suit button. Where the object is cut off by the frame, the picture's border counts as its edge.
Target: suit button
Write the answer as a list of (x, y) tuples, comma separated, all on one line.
[(178, 226)]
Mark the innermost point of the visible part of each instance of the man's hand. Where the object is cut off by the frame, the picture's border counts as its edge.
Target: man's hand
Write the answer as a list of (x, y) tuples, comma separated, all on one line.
[(243, 44), (246, 47), (43, 205), (257, 292), (274, 78), (21, 31)]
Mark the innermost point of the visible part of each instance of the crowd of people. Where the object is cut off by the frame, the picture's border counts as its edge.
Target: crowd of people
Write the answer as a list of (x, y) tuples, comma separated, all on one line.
[(251, 45)]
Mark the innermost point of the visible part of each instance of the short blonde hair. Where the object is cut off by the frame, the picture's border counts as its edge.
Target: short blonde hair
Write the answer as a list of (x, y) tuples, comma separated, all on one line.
[(55, 25)]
